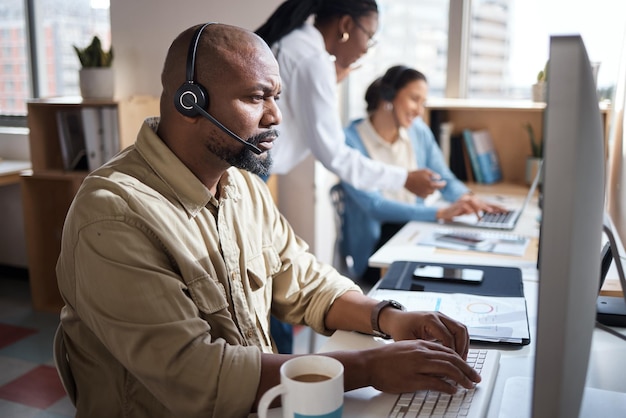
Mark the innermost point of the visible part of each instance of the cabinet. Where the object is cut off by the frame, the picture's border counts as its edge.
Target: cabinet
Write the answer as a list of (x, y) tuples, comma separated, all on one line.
[(48, 190)]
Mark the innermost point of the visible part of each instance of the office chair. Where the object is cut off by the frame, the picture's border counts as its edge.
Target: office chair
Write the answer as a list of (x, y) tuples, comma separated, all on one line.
[(341, 261), (62, 364)]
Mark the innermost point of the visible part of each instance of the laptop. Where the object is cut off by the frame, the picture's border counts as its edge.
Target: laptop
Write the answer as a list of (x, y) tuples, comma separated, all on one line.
[(506, 220)]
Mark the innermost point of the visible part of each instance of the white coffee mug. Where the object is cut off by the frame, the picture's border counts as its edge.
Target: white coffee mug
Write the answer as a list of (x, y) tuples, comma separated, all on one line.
[(311, 387)]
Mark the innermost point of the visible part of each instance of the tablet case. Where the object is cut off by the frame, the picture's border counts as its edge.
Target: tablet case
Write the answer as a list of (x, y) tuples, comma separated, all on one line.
[(497, 281)]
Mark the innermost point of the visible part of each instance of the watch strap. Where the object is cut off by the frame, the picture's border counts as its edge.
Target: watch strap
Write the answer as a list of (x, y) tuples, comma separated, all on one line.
[(376, 331)]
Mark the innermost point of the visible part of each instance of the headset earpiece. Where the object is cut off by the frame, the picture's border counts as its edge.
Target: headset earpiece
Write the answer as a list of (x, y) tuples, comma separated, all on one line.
[(190, 93), (387, 92), (388, 83)]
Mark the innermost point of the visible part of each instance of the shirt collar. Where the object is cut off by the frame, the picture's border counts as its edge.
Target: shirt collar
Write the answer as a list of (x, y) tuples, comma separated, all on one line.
[(190, 192), (370, 134)]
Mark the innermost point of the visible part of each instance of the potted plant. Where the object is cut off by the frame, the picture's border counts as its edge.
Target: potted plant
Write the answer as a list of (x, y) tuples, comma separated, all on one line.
[(96, 75), (539, 88), (536, 149)]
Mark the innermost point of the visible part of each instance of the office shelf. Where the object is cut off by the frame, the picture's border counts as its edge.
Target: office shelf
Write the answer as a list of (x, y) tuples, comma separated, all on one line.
[(48, 189)]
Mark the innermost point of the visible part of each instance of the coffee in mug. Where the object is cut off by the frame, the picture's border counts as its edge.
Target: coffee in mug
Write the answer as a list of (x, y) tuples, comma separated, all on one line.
[(311, 377)]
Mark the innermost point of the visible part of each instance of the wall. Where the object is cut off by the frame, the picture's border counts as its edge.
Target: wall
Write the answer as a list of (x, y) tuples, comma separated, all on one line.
[(142, 31)]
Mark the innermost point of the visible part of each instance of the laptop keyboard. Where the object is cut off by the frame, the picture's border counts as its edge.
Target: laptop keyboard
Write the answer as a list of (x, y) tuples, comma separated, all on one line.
[(496, 218), (467, 403)]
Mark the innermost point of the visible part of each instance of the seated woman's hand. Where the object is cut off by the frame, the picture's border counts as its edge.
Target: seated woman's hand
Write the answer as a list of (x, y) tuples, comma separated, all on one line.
[(479, 206), (460, 207)]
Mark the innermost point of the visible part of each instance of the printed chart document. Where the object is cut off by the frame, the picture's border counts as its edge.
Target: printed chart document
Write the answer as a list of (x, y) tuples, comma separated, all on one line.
[(491, 304), (488, 318)]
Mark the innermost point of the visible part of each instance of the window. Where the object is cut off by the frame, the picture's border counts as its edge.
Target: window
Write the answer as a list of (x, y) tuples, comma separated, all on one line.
[(506, 42), (48, 66), (601, 25), (412, 33)]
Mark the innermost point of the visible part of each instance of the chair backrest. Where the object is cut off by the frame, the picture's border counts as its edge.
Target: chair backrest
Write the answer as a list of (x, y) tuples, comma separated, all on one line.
[(62, 364), (341, 261)]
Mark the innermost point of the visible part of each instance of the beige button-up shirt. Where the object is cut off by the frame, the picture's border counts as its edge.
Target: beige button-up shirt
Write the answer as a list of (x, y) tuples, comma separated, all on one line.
[(168, 290)]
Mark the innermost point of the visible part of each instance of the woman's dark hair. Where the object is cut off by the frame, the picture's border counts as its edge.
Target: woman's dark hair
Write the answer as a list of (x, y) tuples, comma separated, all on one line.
[(387, 86), (292, 14)]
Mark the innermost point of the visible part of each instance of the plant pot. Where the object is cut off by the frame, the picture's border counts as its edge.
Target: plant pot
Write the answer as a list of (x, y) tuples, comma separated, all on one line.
[(532, 166), (539, 91), (96, 83)]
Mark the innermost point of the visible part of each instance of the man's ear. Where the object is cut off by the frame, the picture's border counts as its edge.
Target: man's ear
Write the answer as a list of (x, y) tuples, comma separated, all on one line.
[(189, 119)]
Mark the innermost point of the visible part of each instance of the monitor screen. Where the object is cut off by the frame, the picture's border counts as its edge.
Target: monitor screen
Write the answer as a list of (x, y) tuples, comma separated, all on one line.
[(571, 230)]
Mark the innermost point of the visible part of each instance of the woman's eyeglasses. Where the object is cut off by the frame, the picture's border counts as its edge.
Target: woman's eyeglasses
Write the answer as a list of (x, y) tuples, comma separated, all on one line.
[(371, 40)]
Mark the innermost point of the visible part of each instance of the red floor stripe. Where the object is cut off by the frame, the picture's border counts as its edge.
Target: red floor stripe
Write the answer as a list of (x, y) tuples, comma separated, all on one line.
[(10, 334), (38, 388)]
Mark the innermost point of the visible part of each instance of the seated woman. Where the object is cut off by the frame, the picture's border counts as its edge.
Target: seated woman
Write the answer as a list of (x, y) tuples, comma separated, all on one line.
[(394, 133)]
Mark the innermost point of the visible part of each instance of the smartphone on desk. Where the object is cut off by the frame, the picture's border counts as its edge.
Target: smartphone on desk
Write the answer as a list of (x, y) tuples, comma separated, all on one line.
[(453, 274)]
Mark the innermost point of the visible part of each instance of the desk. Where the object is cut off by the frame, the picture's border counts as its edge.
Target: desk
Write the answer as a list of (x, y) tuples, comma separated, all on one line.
[(606, 370), (402, 246), (10, 171)]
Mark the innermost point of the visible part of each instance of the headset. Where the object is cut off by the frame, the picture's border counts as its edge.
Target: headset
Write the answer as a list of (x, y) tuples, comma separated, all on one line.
[(388, 83), (191, 99)]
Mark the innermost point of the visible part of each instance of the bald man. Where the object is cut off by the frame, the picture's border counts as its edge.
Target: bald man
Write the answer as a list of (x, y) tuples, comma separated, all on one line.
[(173, 254)]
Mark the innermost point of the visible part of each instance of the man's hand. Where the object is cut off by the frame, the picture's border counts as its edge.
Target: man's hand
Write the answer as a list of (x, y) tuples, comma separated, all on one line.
[(425, 325), (407, 366), (423, 182), (429, 353)]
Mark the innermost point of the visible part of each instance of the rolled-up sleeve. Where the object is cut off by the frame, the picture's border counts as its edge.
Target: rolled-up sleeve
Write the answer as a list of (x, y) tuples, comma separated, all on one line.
[(305, 288)]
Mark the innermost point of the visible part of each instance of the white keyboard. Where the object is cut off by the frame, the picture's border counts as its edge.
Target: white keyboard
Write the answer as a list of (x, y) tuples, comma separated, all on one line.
[(467, 403)]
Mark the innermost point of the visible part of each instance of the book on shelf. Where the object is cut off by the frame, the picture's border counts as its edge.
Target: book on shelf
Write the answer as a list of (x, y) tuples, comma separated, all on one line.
[(459, 160), (471, 152), (485, 161), (72, 139)]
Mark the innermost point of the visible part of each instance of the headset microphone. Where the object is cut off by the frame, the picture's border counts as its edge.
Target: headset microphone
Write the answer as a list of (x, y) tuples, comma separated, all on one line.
[(217, 123), (191, 97)]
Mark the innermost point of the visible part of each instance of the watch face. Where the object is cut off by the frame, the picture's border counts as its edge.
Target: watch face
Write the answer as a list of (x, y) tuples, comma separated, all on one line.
[(397, 305)]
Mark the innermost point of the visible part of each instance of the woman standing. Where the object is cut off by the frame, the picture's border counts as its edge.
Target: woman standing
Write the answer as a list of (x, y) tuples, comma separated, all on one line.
[(314, 55)]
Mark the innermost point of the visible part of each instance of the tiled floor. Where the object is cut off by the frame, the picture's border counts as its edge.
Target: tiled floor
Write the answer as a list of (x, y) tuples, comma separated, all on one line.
[(29, 384)]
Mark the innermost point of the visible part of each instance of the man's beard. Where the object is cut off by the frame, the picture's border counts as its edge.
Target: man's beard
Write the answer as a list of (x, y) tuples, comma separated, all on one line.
[(248, 160)]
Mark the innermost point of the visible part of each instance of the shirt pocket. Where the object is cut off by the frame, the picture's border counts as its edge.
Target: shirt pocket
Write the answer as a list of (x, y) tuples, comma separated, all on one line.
[(208, 295), (261, 267)]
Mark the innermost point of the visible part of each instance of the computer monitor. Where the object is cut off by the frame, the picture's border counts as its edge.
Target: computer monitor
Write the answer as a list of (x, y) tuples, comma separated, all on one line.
[(571, 231)]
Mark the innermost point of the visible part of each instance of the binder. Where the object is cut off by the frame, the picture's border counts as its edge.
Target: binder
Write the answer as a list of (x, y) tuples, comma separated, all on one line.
[(501, 288), (92, 123), (110, 129)]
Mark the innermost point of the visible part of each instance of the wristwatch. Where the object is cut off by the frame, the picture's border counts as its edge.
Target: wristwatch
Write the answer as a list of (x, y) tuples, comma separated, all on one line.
[(376, 314)]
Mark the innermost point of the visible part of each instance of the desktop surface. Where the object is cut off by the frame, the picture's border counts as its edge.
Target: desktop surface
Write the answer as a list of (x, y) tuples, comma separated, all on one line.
[(605, 393), (605, 376)]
